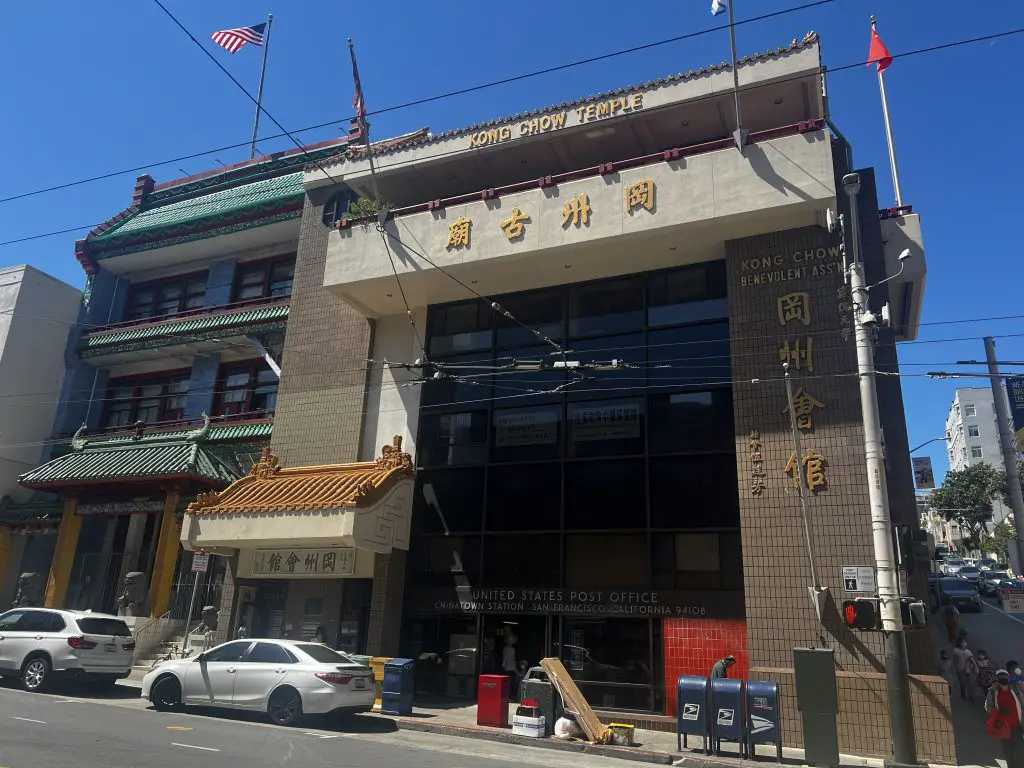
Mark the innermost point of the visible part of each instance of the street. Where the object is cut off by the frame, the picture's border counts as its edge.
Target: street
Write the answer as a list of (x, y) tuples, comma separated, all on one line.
[(1002, 637), (118, 729)]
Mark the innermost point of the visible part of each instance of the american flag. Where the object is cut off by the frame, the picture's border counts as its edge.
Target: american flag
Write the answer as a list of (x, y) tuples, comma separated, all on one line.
[(358, 130), (232, 40)]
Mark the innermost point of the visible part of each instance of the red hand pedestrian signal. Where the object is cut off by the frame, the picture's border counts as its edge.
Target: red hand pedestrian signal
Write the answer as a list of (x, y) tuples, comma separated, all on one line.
[(861, 613)]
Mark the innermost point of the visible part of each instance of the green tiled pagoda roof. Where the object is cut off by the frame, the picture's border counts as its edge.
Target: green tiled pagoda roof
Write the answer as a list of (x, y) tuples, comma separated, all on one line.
[(29, 512), (185, 327), (146, 458), (254, 194), (241, 431)]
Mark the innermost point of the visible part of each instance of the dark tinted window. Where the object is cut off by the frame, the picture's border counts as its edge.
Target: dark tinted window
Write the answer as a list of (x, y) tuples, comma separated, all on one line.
[(98, 626), (605, 494), (445, 561), (35, 621), (606, 428), (534, 374), (9, 621), (323, 654), (711, 495), (449, 500), (691, 356), (523, 497), (606, 308), (229, 652), (526, 433), (957, 587), (462, 379), (522, 561), (453, 438), (460, 327), (687, 295), (540, 311), (269, 653), (688, 421), (604, 378), (56, 623)]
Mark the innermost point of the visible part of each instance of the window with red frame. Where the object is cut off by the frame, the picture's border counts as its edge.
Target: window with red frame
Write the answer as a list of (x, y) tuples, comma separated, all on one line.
[(150, 400), (246, 388), (264, 279), (166, 298)]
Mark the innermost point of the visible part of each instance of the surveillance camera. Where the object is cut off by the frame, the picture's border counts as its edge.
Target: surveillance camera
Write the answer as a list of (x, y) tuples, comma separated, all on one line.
[(868, 319), (851, 183), (830, 220), (905, 255)]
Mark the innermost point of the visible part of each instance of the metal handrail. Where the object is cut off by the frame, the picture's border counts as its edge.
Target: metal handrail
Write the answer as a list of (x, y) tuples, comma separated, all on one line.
[(142, 634)]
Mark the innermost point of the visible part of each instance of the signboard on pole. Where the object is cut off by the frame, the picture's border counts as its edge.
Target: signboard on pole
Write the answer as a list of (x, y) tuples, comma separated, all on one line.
[(1015, 393), (1013, 599), (200, 562), (924, 475), (859, 578)]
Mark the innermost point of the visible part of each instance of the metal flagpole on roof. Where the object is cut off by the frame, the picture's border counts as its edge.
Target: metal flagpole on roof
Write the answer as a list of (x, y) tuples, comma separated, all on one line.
[(717, 7), (259, 93), (881, 64)]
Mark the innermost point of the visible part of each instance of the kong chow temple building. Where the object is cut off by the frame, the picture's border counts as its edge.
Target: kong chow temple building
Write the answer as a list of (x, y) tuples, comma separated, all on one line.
[(539, 402)]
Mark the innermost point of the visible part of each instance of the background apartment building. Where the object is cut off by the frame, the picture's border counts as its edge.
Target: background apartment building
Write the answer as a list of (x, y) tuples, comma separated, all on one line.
[(972, 436)]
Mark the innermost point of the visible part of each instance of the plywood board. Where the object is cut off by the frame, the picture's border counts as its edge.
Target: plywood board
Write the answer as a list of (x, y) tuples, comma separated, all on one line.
[(573, 699)]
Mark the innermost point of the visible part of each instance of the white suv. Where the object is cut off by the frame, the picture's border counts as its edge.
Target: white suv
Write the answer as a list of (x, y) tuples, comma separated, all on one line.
[(41, 644)]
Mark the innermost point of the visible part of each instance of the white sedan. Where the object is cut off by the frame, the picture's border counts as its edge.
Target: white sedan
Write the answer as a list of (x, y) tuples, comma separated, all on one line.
[(285, 679)]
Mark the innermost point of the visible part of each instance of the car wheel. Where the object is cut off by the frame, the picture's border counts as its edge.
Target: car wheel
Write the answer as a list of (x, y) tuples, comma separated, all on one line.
[(285, 707), (166, 694), (35, 674)]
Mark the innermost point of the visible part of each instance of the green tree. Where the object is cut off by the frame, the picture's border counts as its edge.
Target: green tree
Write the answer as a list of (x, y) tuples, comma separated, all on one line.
[(966, 497), (1000, 539), (364, 208)]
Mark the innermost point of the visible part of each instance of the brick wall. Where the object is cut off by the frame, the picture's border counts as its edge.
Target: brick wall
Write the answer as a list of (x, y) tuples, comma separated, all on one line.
[(692, 646), (320, 404)]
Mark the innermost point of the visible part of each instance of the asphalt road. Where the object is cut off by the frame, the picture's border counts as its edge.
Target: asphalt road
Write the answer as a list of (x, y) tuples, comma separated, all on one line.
[(118, 729)]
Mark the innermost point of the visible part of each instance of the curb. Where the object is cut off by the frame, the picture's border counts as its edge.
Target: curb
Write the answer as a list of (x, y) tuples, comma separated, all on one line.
[(507, 737)]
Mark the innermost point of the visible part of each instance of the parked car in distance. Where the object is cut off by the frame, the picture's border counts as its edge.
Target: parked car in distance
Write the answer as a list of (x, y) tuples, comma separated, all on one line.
[(951, 565), (286, 679), (961, 593), (39, 646), (990, 581), (970, 573)]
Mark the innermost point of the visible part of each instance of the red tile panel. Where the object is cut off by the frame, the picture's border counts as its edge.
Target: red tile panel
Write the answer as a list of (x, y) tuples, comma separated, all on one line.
[(692, 646)]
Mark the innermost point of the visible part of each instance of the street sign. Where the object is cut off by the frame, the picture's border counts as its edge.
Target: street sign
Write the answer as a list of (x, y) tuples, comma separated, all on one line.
[(1013, 600), (200, 562), (859, 578)]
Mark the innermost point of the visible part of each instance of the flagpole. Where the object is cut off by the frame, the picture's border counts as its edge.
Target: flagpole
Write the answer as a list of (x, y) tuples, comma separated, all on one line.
[(740, 136), (259, 93), (365, 127), (888, 133)]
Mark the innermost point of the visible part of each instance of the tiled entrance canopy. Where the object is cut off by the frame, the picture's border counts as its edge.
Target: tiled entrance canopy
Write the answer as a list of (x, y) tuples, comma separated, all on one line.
[(272, 488)]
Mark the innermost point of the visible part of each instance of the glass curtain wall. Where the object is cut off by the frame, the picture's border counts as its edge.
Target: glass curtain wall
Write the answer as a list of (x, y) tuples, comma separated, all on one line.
[(625, 478)]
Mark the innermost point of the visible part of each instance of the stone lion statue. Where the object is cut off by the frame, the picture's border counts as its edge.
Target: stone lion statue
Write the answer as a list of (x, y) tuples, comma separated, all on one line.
[(29, 592), (134, 600)]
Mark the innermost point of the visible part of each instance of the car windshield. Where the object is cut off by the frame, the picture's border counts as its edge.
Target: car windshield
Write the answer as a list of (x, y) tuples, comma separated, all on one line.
[(969, 570), (957, 587), (323, 654), (996, 575), (100, 626), (954, 561)]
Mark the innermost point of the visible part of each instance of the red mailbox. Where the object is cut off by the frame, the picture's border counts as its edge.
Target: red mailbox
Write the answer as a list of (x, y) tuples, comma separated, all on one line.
[(492, 701)]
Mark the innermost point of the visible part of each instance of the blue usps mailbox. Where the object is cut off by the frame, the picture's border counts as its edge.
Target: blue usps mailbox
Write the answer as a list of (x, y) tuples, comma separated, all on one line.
[(763, 725), (727, 715), (692, 710), (397, 689)]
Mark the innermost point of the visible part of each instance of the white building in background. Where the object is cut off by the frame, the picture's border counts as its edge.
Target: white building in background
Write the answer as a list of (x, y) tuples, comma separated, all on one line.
[(37, 312), (972, 435)]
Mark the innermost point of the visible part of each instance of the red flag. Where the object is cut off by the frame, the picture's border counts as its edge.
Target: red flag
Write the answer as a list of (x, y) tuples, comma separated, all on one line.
[(878, 54)]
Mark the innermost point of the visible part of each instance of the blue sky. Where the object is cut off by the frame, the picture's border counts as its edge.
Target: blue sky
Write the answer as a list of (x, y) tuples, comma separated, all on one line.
[(92, 88)]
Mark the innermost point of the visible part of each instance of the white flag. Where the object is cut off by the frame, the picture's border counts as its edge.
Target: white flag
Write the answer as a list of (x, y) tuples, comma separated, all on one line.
[(719, 6)]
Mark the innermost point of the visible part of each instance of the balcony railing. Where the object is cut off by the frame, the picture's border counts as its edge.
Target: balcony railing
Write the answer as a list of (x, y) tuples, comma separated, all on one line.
[(235, 306), (174, 425)]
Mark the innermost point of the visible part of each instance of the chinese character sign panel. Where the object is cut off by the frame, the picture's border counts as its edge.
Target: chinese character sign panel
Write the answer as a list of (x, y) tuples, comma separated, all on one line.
[(924, 475), (304, 563), (1015, 391)]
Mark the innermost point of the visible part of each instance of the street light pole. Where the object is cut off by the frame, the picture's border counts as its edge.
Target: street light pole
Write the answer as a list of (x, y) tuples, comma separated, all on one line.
[(897, 669), (1006, 441)]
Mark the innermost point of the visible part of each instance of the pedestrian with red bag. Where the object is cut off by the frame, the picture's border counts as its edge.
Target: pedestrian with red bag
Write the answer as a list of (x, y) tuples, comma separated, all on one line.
[(1005, 707)]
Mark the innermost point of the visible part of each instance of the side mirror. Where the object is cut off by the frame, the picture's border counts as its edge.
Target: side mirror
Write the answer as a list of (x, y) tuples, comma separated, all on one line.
[(201, 657)]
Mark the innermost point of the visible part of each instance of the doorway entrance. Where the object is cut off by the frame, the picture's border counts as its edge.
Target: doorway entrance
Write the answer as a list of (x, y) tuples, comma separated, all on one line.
[(514, 641)]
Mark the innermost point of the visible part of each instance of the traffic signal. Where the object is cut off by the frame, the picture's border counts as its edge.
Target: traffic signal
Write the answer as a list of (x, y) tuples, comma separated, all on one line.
[(861, 613), (915, 612)]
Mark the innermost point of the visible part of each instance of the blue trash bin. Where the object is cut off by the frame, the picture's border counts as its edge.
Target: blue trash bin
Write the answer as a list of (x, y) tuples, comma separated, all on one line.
[(728, 720), (763, 723), (692, 710), (398, 686)]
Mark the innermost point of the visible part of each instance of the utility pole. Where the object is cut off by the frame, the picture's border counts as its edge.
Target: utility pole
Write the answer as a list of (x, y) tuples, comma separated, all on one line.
[(1007, 442), (897, 669)]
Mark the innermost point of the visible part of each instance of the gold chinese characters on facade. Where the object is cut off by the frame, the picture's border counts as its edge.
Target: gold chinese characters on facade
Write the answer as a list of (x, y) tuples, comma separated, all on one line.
[(640, 195), (804, 404), (758, 477), (576, 211), (813, 470), (845, 311), (514, 226), (458, 233)]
